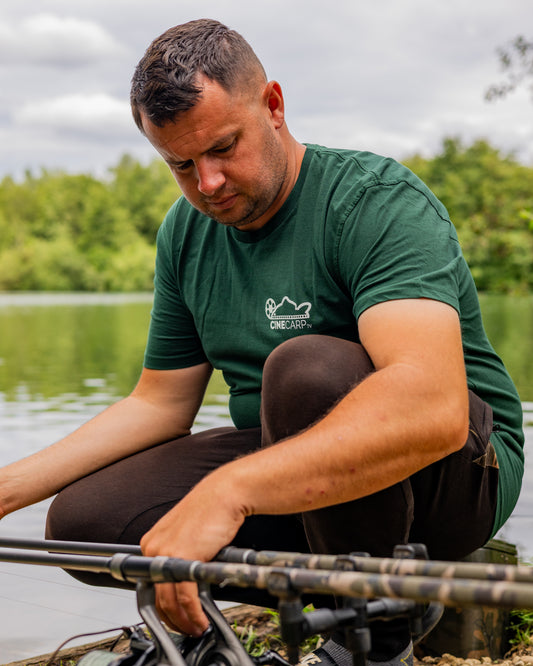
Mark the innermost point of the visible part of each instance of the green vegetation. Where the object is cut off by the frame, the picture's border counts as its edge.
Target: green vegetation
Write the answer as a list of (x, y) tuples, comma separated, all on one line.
[(520, 627), (61, 232), (266, 635), (490, 199), (259, 638)]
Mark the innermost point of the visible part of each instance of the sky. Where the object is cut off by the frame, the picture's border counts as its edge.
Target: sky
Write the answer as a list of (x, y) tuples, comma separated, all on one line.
[(390, 76)]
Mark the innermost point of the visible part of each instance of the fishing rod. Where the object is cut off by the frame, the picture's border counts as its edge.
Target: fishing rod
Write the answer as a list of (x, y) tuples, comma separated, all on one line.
[(280, 581), (218, 646), (366, 594), (407, 560)]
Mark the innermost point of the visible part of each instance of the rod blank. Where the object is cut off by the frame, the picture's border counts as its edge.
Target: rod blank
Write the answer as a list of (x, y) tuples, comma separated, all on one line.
[(410, 579)]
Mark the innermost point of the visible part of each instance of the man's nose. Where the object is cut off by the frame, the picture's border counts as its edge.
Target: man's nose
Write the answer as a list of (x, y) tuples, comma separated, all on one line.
[(210, 178)]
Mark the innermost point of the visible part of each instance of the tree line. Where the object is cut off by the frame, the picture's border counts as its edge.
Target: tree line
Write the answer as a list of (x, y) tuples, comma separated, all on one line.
[(490, 200), (64, 232)]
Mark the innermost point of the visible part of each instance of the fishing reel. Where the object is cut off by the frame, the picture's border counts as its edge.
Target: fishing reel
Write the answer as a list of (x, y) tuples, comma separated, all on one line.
[(218, 645), (141, 652)]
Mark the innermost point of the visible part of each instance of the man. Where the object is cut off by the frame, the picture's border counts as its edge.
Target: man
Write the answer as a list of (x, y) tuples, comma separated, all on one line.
[(329, 287)]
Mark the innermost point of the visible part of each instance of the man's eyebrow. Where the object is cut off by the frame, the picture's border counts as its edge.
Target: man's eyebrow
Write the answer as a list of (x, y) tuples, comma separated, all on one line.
[(218, 143), (223, 141)]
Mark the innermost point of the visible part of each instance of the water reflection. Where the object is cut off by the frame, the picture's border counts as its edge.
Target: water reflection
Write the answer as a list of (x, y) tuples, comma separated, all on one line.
[(519, 528), (509, 324), (63, 359)]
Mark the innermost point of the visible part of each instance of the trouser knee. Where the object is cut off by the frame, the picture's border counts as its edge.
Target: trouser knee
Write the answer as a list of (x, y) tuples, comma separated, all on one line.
[(303, 378)]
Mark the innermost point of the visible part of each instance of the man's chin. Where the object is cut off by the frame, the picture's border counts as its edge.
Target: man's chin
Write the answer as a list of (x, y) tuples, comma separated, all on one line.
[(238, 216), (230, 219)]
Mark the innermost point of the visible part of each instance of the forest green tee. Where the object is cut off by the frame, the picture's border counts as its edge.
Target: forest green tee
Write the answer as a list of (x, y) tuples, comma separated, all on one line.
[(357, 229)]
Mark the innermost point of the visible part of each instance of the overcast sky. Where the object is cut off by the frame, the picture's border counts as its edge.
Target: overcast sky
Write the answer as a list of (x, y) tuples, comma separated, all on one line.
[(390, 76)]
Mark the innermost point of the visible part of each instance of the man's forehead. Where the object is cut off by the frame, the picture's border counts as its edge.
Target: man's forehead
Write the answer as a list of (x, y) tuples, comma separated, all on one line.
[(185, 138), (216, 118)]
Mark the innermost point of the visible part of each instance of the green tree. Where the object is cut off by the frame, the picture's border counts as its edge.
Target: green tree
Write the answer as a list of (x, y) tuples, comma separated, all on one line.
[(490, 200), (76, 232), (61, 231), (79, 207), (17, 208), (144, 193)]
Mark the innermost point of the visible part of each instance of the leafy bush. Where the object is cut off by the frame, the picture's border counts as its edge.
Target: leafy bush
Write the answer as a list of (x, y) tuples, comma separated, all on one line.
[(490, 200), (62, 232)]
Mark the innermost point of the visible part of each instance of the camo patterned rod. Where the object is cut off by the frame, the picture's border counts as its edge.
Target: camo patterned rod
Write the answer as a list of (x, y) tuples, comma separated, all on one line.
[(282, 581), (396, 566), (348, 583)]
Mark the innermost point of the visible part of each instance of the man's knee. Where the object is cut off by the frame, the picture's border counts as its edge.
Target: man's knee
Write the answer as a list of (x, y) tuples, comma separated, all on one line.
[(311, 361), (304, 377), (71, 517)]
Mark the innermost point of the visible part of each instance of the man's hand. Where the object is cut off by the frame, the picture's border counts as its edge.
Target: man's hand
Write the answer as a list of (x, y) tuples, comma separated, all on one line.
[(197, 528)]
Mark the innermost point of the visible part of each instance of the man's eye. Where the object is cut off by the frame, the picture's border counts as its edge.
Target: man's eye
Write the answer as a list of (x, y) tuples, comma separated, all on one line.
[(225, 149), (183, 166)]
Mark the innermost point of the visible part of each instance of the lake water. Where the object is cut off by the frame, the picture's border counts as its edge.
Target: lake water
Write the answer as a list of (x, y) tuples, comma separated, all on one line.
[(63, 358)]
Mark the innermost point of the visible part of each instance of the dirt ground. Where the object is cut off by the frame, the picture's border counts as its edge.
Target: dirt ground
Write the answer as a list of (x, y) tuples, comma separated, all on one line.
[(254, 625)]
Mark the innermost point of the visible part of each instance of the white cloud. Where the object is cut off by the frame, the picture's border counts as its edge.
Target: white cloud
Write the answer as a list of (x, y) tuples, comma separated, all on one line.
[(46, 39), (94, 113), (385, 76)]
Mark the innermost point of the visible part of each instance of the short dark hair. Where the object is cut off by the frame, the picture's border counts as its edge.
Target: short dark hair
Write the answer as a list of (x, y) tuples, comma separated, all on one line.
[(165, 82)]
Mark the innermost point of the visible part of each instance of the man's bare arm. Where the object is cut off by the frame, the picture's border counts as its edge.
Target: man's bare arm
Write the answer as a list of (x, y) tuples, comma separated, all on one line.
[(161, 407), (412, 411)]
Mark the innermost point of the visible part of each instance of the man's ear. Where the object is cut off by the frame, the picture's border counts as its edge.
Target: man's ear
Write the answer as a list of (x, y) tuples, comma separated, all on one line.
[(273, 96)]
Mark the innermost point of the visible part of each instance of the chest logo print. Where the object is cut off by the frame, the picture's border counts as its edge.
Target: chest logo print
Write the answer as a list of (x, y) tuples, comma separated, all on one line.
[(286, 314)]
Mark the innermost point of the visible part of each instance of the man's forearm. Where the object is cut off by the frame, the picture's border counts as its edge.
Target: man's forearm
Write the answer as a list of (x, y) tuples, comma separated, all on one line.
[(162, 406), (126, 427), (390, 426)]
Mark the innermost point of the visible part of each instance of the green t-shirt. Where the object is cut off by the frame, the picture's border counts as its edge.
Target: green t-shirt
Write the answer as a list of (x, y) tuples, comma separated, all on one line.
[(357, 229)]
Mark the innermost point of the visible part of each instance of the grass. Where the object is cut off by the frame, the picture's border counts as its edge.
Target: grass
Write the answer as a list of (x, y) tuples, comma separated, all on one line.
[(257, 642), (521, 627)]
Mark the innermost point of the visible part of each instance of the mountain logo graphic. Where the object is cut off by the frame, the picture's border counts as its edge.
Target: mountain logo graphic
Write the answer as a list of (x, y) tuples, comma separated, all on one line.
[(287, 314)]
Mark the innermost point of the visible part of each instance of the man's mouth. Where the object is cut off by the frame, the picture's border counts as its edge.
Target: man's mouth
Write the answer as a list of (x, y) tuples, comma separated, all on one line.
[(223, 203)]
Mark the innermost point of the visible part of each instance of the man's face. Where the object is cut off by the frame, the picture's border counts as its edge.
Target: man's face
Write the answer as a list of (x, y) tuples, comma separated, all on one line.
[(227, 156)]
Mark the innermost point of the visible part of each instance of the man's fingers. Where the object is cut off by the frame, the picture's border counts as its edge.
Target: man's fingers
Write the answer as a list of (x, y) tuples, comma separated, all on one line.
[(189, 601), (167, 607), (180, 608)]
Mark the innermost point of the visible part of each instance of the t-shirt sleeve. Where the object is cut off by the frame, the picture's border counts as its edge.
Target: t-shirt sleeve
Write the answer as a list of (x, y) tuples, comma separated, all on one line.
[(173, 340), (398, 243)]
